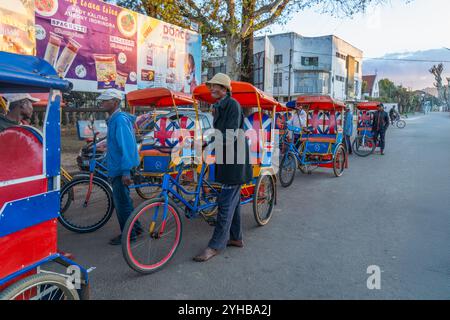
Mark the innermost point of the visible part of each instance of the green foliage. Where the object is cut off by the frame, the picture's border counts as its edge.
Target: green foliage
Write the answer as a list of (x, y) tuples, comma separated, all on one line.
[(236, 21)]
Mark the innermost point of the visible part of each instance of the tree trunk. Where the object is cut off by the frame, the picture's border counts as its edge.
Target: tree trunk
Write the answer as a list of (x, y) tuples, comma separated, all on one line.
[(248, 10), (232, 65), (247, 59)]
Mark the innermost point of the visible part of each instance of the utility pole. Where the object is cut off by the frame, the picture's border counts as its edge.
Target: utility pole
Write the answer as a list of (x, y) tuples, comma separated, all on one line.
[(290, 73)]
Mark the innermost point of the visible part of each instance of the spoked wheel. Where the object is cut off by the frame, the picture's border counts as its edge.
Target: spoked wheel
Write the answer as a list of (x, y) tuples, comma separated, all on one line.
[(363, 146), (85, 207), (339, 161), (42, 286), (147, 192), (288, 167), (263, 199), (401, 124), (149, 240)]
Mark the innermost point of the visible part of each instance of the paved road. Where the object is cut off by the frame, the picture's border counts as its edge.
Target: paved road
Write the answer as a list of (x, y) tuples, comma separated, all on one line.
[(391, 211)]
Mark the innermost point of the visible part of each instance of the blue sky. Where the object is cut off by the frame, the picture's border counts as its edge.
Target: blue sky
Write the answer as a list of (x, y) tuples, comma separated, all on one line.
[(393, 27)]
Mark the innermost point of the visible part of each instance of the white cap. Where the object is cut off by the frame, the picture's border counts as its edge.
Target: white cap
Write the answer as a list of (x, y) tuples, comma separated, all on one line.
[(13, 97), (110, 94)]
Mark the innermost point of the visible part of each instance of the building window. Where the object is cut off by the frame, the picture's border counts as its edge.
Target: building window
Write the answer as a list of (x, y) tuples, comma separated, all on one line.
[(310, 61), (339, 78), (278, 59), (213, 70), (341, 56), (278, 79), (357, 66), (311, 82)]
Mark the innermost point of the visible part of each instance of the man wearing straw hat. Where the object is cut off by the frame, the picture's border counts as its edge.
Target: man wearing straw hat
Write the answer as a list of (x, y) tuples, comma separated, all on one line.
[(228, 115)]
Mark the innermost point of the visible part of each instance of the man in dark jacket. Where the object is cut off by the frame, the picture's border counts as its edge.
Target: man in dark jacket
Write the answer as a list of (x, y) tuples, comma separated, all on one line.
[(231, 173), (380, 125)]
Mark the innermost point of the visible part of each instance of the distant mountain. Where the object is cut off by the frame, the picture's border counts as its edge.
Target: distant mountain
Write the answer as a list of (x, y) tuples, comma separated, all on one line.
[(402, 68)]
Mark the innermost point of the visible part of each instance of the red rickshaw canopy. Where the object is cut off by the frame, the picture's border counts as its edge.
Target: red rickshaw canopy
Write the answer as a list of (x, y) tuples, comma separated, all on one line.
[(371, 105), (158, 97), (245, 93), (320, 102)]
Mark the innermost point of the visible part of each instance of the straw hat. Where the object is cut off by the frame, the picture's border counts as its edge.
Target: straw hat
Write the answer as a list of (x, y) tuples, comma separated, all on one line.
[(220, 79)]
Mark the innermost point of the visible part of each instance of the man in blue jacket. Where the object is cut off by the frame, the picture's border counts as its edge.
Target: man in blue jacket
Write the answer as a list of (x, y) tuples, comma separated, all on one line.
[(348, 128), (121, 157)]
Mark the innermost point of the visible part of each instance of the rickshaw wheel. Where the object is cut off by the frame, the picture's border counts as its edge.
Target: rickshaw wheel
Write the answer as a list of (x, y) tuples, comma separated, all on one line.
[(73, 196), (363, 147), (339, 161), (263, 199), (288, 167), (150, 250), (41, 286)]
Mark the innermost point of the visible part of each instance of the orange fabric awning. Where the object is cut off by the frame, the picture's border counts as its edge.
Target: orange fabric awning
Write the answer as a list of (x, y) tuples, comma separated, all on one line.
[(320, 102), (245, 93), (158, 97)]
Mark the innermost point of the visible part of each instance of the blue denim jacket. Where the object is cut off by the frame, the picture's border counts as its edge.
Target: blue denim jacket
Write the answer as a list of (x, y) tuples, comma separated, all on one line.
[(122, 154), (348, 124)]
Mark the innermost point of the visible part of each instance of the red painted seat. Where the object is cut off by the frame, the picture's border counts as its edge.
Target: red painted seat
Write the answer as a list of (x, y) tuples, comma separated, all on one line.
[(22, 158)]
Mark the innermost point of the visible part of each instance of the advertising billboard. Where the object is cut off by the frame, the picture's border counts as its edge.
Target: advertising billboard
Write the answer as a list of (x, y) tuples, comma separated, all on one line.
[(168, 56), (17, 27), (97, 46)]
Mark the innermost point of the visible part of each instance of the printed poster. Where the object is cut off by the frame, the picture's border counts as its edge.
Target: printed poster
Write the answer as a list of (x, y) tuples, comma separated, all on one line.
[(17, 33), (89, 42)]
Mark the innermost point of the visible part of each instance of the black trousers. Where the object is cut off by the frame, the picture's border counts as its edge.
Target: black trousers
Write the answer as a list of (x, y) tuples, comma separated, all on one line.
[(379, 136), (348, 144)]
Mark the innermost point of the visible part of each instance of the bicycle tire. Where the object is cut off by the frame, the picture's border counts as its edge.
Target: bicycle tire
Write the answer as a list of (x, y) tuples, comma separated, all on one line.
[(68, 188), (130, 258)]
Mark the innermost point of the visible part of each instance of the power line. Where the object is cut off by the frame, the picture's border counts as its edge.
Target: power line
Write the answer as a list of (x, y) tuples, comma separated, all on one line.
[(385, 59)]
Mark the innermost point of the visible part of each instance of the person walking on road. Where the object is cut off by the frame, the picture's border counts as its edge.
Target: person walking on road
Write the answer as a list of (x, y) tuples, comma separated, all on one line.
[(380, 126), (122, 156), (348, 129), (228, 116)]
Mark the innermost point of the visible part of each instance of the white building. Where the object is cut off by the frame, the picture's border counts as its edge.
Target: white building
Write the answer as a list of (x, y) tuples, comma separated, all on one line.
[(315, 65), (288, 65)]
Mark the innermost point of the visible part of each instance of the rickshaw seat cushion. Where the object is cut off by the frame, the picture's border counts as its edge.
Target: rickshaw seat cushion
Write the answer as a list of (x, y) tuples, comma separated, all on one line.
[(20, 143), (163, 132), (252, 122)]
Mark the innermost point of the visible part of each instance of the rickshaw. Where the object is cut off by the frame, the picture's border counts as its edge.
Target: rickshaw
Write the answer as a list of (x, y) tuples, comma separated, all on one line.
[(152, 233), (364, 144), (321, 144), (92, 191), (30, 265)]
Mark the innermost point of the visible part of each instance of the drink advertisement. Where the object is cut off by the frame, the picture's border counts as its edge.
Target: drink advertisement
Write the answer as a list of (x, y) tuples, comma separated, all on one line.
[(89, 42), (98, 46), (168, 56), (17, 27)]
